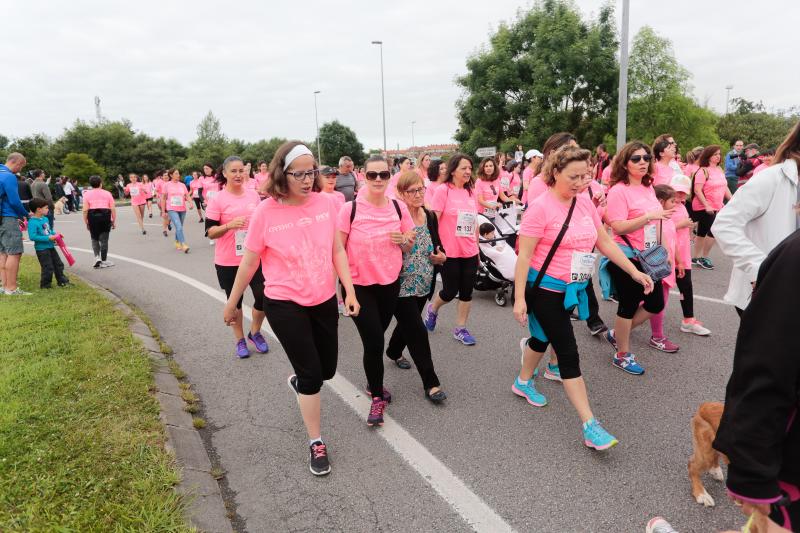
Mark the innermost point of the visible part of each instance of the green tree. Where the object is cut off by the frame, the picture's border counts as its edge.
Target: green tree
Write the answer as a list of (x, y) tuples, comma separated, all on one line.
[(81, 166), (750, 122), (263, 150), (653, 70), (110, 144), (211, 145), (38, 151), (337, 140), (548, 71)]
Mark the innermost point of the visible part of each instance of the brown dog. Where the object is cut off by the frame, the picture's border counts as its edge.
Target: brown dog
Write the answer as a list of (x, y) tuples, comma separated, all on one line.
[(704, 458)]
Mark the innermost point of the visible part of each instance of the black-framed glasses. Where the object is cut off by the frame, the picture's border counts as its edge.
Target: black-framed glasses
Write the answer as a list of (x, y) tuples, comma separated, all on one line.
[(637, 158), (373, 175), (415, 192), (300, 175)]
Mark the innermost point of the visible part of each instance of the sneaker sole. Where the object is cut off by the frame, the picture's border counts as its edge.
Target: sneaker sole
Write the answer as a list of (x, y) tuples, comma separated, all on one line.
[(321, 472), (626, 370), (600, 448), (374, 424), (552, 377), (465, 343), (695, 333), (521, 394)]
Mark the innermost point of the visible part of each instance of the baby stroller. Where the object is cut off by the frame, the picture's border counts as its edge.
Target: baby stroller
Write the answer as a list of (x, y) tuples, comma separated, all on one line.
[(489, 277)]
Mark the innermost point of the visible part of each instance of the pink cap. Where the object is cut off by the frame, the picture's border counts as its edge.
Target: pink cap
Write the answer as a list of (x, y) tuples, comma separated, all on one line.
[(681, 183)]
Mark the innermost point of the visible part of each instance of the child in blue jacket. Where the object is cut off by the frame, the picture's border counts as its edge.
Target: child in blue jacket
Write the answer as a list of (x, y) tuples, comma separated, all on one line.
[(42, 236)]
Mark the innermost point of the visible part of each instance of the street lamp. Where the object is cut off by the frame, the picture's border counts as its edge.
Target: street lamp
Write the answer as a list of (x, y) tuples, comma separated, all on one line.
[(622, 102), (728, 97), (383, 96), (412, 133), (316, 118)]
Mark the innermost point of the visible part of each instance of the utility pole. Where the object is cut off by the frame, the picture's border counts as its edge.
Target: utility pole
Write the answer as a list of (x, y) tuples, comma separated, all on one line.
[(728, 97), (383, 96), (412, 133), (97, 112), (316, 119), (622, 103)]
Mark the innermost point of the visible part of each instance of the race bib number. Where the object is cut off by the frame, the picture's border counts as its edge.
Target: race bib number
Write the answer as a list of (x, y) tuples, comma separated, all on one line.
[(650, 236), (489, 212), (582, 266), (176, 201), (211, 194), (239, 238), (465, 224), (504, 183), (134, 191)]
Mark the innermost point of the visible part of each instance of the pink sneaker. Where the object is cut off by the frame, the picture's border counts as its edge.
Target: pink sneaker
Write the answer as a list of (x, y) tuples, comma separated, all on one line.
[(694, 326), (664, 344)]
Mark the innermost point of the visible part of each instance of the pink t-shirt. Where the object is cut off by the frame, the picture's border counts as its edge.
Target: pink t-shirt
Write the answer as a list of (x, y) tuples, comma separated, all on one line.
[(138, 192), (391, 188), (536, 188), (150, 188), (489, 190), (669, 241), (605, 177), (295, 244), (338, 198), (195, 186), (260, 179), (210, 188), (98, 199), (626, 202), (713, 188), (175, 193), (159, 186), (374, 259), (683, 236), (430, 191), (458, 208), (663, 174), (544, 218), (223, 208)]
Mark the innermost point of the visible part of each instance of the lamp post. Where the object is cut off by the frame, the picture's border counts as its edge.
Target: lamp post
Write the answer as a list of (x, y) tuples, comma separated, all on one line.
[(383, 96), (413, 144), (728, 97), (316, 119), (622, 102)]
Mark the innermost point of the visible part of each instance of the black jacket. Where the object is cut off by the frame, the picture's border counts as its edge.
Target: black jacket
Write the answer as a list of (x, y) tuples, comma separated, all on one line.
[(433, 228), (760, 426)]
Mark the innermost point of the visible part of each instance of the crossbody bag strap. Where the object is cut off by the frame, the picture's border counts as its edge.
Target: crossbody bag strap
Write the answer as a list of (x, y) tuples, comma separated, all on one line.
[(556, 243)]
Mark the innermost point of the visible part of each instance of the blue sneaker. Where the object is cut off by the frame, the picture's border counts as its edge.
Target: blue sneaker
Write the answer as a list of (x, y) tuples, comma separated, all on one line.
[(627, 363), (241, 349), (612, 339), (594, 436), (430, 318), (552, 372), (259, 342), (528, 391), (464, 336)]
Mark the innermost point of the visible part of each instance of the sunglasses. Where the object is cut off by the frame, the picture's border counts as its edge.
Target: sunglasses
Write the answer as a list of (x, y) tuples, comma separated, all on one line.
[(637, 158), (383, 174), (301, 175)]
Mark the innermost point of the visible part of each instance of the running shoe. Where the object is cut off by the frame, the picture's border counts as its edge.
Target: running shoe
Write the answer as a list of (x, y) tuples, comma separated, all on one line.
[(318, 461), (552, 372), (663, 344), (612, 339), (528, 391), (97, 262), (185, 248), (403, 363), (107, 263), (241, 349), (177, 246), (464, 336), (596, 328), (696, 261), (258, 341), (694, 326), (430, 318), (292, 382), (659, 525), (627, 363), (144, 232), (169, 226), (150, 215), (594, 436), (375, 417), (573, 316), (16, 292), (164, 232), (705, 263), (387, 396)]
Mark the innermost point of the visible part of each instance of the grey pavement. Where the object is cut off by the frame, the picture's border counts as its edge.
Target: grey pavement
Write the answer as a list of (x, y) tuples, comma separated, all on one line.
[(528, 464)]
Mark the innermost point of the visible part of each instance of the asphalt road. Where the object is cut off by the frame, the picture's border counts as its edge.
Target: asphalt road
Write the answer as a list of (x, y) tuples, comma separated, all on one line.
[(528, 465)]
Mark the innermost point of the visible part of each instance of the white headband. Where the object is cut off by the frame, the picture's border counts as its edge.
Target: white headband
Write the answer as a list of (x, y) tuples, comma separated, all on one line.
[(294, 153)]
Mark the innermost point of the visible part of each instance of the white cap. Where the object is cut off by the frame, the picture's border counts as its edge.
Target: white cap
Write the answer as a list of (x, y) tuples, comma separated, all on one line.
[(530, 154)]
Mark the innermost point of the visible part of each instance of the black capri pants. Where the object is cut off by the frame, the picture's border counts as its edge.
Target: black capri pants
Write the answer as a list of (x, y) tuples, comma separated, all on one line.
[(410, 331), (630, 294), (309, 336), (99, 222), (548, 308), (704, 222), (687, 293), (198, 203), (226, 275), (458, 278)]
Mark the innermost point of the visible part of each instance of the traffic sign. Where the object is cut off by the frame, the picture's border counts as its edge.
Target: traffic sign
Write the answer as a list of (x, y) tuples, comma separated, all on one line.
[(488, 151)]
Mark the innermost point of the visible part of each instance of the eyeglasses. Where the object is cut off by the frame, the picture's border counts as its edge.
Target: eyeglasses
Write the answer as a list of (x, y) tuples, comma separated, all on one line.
[(637, 158), (383, 174), (415, 192), (303, 174)]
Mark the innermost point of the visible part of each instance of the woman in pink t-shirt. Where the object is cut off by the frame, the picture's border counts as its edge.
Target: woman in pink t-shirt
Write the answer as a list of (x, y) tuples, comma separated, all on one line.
[(376, 231), (227, 219), (262, 177), (423, 164), (487, 188), (293, 233), (510, 182), (137, 192), (710, 193), (437, 174), (546, 294), (175, 196), (664, 150), (149, 191), (100, 217), (196, 188), (456, 208), (534, 185), (404, 164), (633, 212)]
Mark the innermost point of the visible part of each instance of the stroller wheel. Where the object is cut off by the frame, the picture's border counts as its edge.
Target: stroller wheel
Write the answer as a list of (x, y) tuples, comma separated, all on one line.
[(500, 299)]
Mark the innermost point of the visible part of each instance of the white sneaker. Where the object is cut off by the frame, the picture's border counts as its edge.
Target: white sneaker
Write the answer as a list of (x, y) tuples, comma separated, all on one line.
[(97, 262), (107, 263), (211, 242), (16, 292), (659, 525), (696, 327)]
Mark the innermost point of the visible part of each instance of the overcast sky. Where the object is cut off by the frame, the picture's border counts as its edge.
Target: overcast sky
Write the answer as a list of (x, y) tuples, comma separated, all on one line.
[(256, 63)]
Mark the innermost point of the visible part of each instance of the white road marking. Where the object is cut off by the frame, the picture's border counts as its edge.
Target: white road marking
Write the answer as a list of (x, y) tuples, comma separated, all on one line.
[(704, 298), (475, 512)]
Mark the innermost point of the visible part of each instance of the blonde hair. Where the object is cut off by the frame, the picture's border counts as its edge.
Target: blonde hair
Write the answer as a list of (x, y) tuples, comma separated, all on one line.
[(560, 158), (407, 179)]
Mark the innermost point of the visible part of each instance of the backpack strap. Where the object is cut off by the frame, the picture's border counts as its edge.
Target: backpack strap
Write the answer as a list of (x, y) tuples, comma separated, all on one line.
[(556, 243), (353, 211), (396, 208)]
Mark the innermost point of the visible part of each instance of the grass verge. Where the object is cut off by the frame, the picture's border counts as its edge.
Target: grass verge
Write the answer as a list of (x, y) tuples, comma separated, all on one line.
[(81, 445)]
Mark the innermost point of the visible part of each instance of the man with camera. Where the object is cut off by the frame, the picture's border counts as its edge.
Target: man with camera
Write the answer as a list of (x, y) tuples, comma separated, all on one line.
[(731, 161), (748, 161)]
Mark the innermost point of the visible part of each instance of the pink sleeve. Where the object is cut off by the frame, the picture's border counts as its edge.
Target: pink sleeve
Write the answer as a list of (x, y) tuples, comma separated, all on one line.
[(699, 178), (213, 211), (406, 223), (343, 218), (254, 241), (533, 222), (597, 217), (616, 205), (439, 198)]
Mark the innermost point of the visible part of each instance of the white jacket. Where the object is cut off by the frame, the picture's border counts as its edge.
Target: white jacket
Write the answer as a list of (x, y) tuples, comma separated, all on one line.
[(758, 217)]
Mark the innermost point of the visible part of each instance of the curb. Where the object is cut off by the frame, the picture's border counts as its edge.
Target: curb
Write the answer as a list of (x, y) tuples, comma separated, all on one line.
[(205, 508)]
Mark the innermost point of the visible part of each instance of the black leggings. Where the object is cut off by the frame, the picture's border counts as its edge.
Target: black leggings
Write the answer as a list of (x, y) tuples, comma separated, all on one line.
[(687, 293), (548, 308), (411, 331), (594, 306), (309, 338), (198, 202), (226, 275), (378, 303), (631, 294), (99, 229), (704, 222), (458, 278)]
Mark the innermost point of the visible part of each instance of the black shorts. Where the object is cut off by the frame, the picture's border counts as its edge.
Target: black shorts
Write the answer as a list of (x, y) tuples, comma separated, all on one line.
[(198, 202), (99, 222), (704, 221), (226, 275)]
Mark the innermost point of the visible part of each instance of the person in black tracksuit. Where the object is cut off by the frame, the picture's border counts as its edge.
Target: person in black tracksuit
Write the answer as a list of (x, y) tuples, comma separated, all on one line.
[(760, 426)]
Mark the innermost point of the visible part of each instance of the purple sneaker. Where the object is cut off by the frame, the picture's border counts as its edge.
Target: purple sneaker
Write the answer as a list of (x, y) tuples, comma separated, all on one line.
[(430, 318), (387, 396), (259, 342), (375, 417), (464, 336), (241, 349)]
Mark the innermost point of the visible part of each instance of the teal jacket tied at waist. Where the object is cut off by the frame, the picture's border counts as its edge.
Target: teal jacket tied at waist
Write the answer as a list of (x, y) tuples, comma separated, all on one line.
[(574, 295), (606, 284)]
